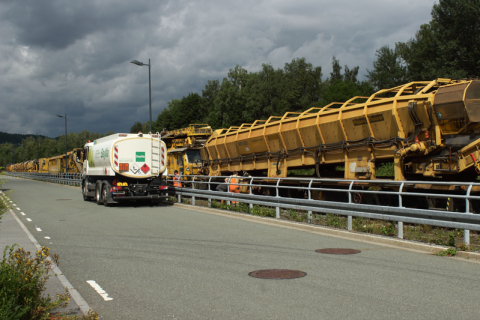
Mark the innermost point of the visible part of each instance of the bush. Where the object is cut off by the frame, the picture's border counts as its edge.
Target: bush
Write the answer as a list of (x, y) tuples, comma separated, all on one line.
[(22, 281)]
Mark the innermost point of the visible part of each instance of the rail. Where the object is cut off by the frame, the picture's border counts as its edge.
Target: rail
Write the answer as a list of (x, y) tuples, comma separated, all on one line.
[(204, 186), (71, 179)]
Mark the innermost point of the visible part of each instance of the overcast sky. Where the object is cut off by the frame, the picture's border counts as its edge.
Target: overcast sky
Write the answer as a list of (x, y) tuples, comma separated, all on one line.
[(73, 57)]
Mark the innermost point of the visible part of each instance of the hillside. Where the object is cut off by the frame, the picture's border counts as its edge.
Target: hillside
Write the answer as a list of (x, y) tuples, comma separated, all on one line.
[(15, 138)]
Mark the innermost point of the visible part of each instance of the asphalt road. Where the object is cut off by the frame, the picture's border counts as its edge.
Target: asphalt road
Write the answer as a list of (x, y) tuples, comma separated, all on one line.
[(167, 262)]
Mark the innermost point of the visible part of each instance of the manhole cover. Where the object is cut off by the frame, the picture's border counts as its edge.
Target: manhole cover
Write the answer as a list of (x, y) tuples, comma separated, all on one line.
[(277, 274), (338, 251), (63, 199)]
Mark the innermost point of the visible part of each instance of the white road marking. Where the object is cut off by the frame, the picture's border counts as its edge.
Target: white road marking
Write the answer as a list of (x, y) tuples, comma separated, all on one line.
[(23, 213), (38, 229), (28, 219), (18, 209), (47, 238), (99, 290)]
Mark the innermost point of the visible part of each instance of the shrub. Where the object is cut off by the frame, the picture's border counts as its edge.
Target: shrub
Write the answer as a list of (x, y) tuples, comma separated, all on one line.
[(22, 282)]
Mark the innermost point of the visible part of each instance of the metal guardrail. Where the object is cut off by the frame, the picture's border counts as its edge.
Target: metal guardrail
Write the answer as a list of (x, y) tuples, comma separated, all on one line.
[(399, 213), (201, 187), (72, 179)]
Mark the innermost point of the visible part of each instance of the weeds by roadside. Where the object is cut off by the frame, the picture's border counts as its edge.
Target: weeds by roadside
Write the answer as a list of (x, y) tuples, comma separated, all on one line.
[(22, 283), (447, 253)]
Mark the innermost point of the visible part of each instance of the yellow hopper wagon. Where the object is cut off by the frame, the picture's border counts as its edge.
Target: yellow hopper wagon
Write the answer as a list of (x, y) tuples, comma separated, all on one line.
[(428, 129)]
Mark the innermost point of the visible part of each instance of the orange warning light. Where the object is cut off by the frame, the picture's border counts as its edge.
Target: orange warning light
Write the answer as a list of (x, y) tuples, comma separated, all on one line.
[(123, 166)]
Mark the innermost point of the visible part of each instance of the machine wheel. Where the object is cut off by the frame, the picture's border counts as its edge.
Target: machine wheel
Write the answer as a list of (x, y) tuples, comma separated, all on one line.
[(104, 195), (357, 197), (98, 194)]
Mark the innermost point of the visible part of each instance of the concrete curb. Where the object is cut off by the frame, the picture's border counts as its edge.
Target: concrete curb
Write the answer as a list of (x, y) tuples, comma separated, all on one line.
[(343, 234)]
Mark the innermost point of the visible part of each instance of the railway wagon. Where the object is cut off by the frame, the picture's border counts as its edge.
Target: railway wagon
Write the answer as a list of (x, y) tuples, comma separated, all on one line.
[(429, 129)]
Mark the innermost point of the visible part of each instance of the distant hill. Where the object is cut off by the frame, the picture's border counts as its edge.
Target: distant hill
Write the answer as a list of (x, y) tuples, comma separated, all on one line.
[(15, 138)]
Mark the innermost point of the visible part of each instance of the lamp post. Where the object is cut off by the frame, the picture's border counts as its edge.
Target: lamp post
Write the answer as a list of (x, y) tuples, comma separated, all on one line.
[(138, 63), (66, 159)]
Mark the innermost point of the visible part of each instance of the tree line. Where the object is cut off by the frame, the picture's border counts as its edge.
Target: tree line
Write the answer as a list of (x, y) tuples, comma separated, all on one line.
[(446, 47), (44, 147)]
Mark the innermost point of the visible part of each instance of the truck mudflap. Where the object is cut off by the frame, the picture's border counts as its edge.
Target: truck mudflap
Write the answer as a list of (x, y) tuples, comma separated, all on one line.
[(150, 197)]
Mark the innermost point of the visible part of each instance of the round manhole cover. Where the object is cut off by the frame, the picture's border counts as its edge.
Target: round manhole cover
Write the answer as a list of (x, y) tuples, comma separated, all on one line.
[(338, 251), (277, 274)]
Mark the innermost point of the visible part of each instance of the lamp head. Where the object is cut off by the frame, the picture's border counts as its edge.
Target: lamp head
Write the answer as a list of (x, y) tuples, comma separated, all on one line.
[(138, 63)]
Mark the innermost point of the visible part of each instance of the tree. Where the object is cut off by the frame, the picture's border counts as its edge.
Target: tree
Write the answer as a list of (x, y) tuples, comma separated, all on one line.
[(336, 73), (389, 70), (137, 126), (449, 45), (208, 99)]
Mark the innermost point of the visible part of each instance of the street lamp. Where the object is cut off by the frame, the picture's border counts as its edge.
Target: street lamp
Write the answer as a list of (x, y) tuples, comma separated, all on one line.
[(138, 63), (65, 139)]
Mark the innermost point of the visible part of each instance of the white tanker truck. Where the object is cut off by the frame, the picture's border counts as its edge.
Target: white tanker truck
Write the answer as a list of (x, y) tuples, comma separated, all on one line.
[(123, 167)]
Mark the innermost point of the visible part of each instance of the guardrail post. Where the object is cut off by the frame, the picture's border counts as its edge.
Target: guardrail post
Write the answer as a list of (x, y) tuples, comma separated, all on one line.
[(193, 187), (209, 199), (309, 213), (277, 208), (228, 190), (349, 218), (400, 205), (251, 187), (466, 233), (400, 229)]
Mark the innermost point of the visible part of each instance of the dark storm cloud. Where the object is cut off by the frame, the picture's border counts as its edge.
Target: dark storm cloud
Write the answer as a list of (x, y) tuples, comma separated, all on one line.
[(58, 24), (73, 57)]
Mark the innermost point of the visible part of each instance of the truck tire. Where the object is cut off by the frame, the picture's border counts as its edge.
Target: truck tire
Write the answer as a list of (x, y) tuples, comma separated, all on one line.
[(84, 191), (104, 195), (98, 194)]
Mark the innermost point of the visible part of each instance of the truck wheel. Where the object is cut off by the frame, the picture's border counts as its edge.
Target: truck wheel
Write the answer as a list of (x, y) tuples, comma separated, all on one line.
[(84, 191), (104, 195), (98, 194)]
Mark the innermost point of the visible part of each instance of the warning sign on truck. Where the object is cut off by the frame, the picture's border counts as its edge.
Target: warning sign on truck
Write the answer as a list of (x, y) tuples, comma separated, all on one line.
[(140, 156)]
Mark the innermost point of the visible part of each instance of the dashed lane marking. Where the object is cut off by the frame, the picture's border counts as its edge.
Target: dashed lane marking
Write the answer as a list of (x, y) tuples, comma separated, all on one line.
[(48, 238), (29, 220), (99, 290), (38, 229), (23, 213), (18, 209)]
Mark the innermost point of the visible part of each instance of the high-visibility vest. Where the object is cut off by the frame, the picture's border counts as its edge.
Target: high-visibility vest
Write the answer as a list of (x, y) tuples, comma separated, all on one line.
[(176, 182), (234, 186)]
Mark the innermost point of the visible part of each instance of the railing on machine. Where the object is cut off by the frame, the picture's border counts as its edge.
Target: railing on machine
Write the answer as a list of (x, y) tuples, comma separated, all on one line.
[(203, 187)]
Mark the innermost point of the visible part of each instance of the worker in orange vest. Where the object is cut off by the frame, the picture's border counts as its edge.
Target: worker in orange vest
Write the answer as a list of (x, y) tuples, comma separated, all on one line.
[(176, 180), (233, 187)]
